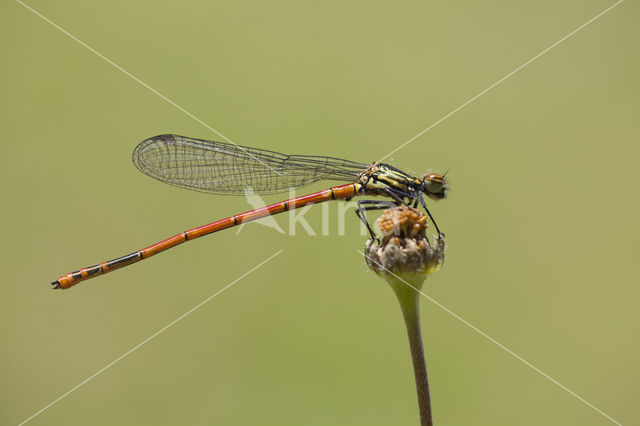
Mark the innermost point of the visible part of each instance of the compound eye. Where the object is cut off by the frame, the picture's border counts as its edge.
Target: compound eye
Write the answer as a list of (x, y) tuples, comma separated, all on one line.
[(433, 187), (434, 183)]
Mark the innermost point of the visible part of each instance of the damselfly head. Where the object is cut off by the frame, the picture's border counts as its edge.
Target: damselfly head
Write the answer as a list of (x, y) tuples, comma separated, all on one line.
[(434, 186)]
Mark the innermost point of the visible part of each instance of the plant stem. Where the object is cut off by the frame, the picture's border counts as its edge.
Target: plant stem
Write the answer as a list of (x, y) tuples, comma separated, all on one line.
[(409, 299)]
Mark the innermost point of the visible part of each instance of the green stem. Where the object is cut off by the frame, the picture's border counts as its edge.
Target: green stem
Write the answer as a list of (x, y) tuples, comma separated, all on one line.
[(409, 299)]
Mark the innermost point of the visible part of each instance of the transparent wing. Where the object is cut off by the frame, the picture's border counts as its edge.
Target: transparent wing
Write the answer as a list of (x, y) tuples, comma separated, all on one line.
[(222, 168)]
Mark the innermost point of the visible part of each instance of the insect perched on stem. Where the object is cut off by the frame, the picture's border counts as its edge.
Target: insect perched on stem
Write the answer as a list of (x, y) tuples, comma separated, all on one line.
[(228, 169)]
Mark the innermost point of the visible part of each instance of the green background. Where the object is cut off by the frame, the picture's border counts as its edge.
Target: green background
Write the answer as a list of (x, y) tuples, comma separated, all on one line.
[(541, 223)]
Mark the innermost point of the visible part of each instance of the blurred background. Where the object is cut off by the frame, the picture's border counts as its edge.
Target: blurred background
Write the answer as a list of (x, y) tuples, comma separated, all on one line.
[(541, 222)]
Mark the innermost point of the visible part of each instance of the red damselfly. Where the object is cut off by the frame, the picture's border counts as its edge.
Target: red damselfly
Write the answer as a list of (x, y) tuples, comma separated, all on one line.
[(227, 169)]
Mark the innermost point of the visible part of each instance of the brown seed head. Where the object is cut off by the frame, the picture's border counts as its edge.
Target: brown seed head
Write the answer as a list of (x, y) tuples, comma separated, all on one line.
[(404, 247), (402, 222)]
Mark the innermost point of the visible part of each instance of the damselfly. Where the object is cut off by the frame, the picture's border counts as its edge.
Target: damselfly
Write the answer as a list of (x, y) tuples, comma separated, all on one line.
[(221, 168)]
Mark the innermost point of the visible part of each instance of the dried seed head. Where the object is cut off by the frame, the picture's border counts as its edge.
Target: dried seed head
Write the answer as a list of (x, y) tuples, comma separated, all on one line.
[(404, 248)]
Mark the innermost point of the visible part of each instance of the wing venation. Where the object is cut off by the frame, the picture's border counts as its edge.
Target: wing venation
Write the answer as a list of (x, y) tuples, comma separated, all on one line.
[(222, 168)]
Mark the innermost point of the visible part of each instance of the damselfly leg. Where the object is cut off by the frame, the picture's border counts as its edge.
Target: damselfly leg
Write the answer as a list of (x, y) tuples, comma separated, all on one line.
[(424, 205), (365, 205)]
